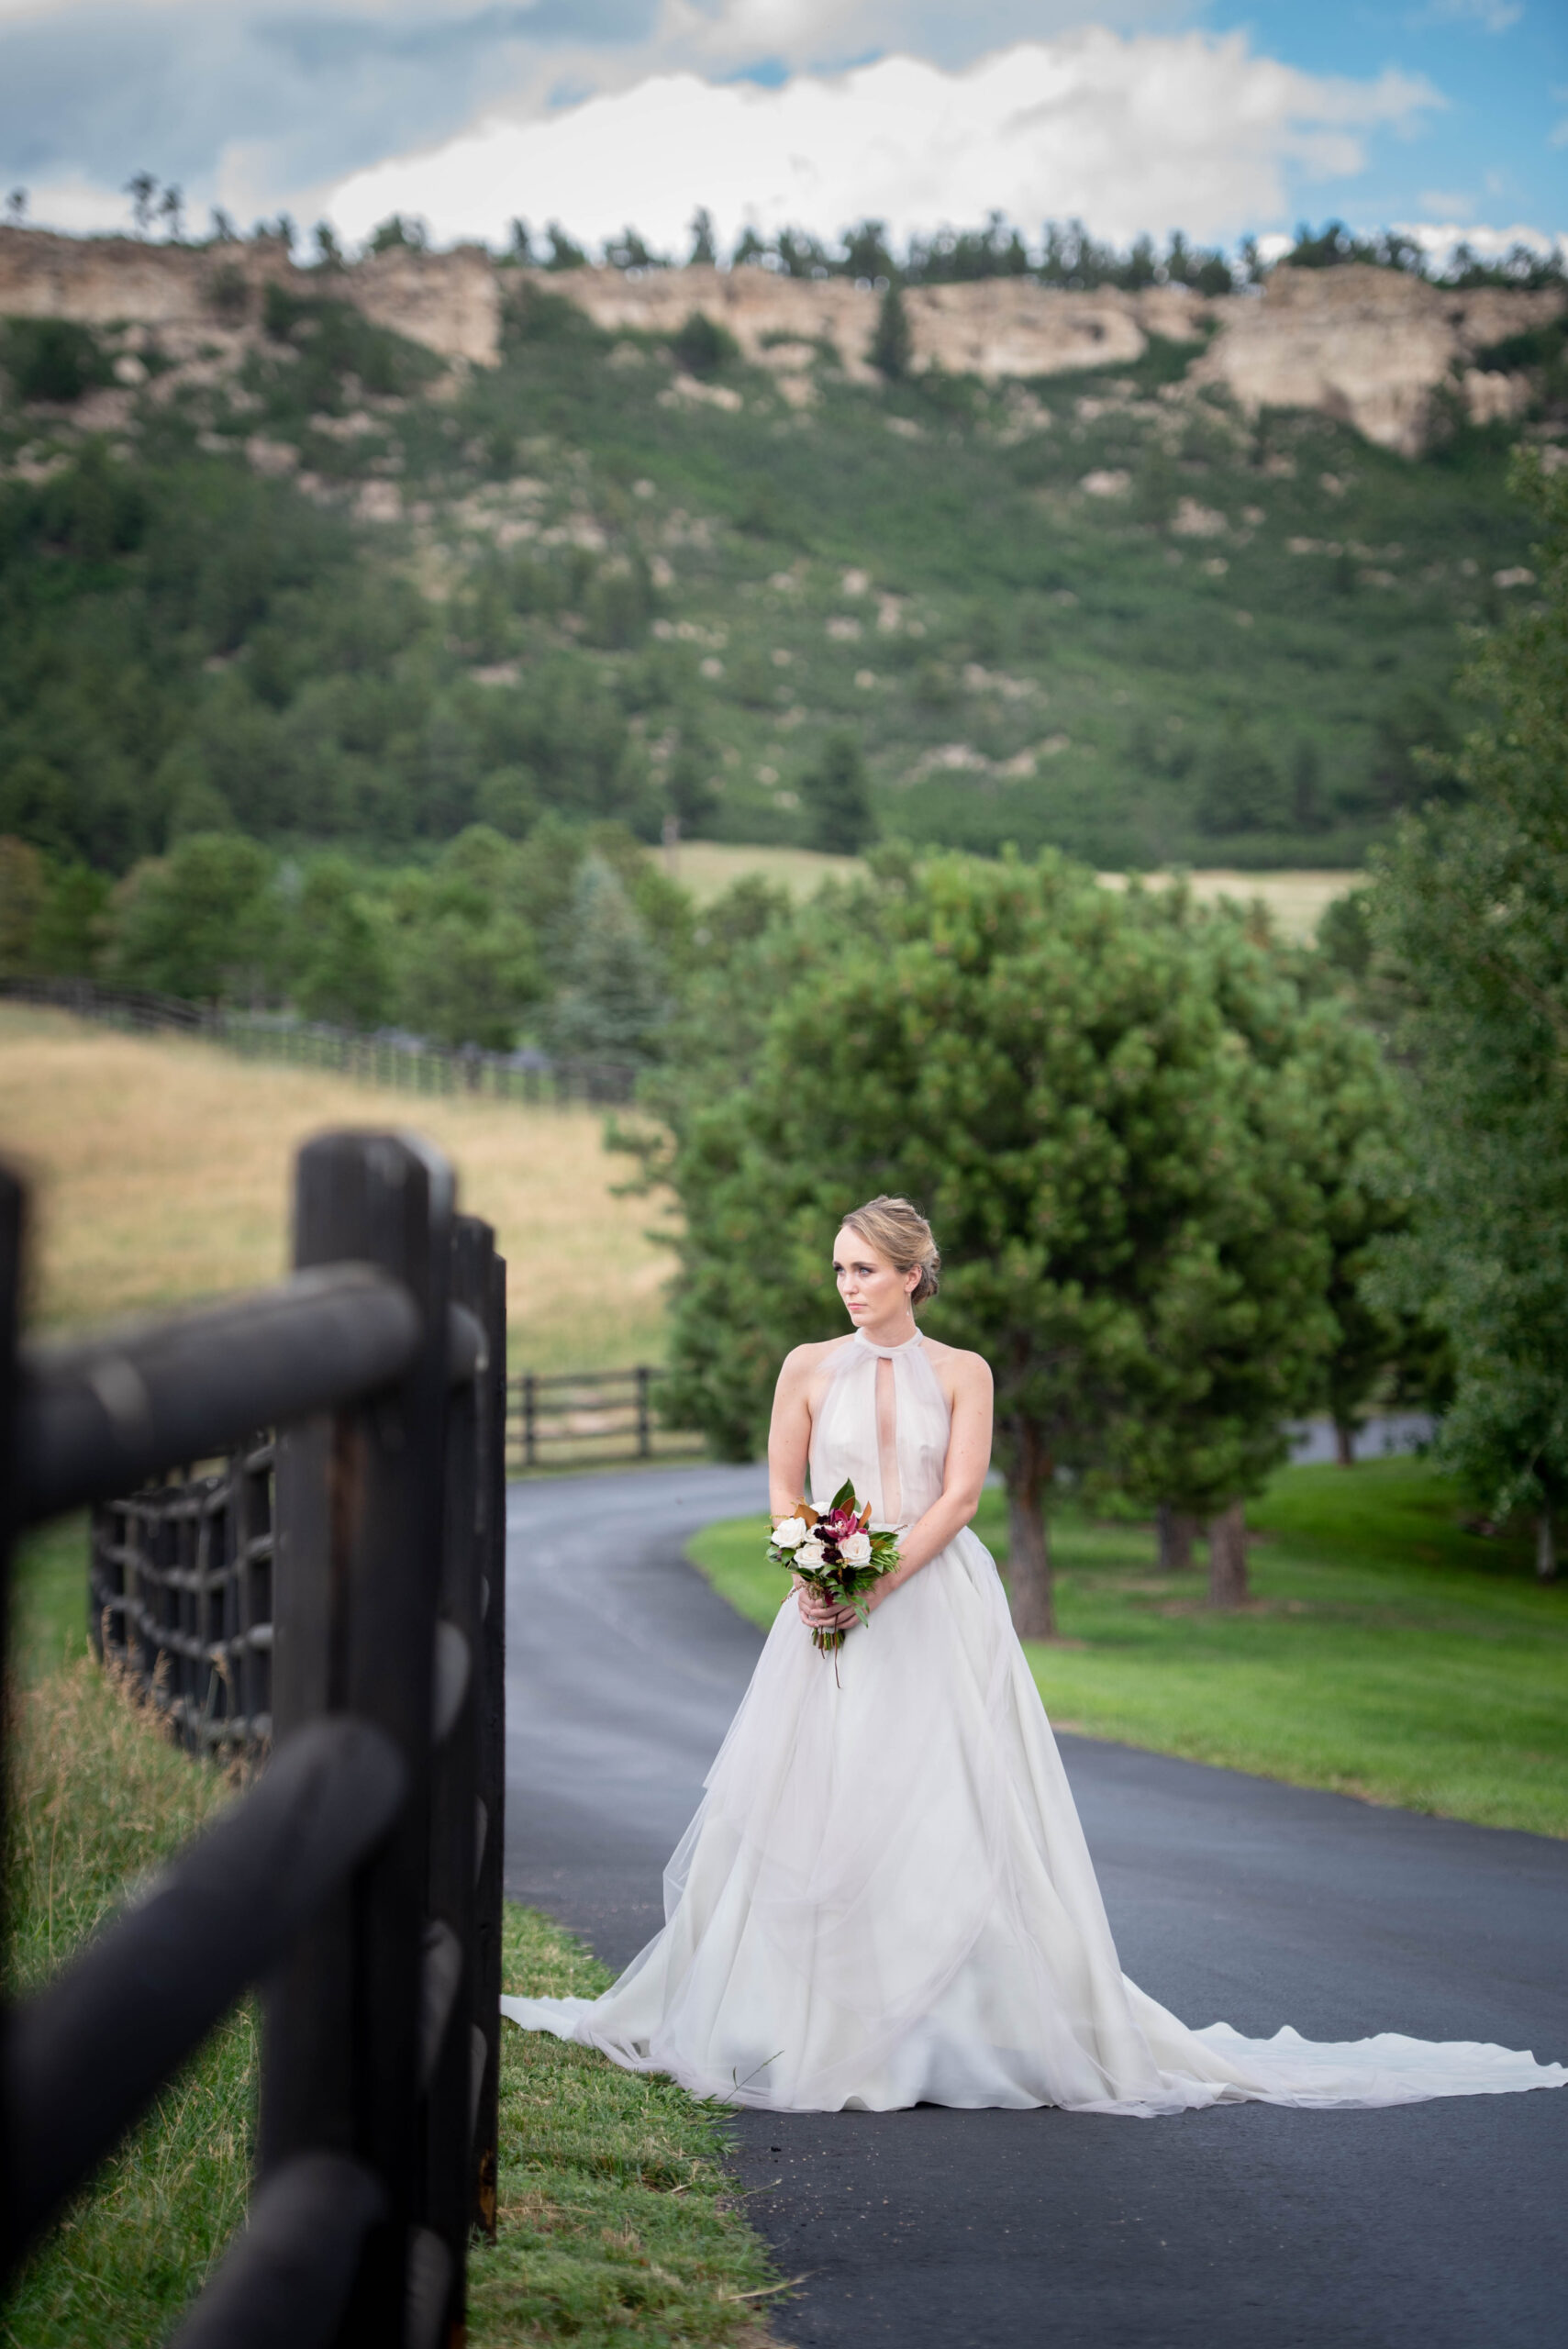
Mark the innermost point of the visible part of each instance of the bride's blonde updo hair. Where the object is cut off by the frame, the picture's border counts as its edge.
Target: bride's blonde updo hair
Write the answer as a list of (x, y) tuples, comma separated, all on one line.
[(900, 1232)]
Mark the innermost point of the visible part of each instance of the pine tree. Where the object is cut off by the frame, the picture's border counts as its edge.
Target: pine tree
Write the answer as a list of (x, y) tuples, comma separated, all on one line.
[(838, 797), (703, 254), (1471, 909), (612, 1004), (893, 344)]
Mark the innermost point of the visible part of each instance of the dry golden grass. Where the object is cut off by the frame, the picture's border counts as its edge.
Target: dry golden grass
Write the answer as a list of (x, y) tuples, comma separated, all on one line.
[(1297, 900), (160, 1173), (707, 867)]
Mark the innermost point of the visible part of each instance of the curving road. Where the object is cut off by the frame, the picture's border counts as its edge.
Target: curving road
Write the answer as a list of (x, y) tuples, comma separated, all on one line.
[(1439, 2226)]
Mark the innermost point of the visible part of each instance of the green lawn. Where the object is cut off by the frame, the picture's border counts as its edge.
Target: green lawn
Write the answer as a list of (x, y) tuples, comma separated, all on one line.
[(1386, 1653), (617, 2213), (49, 1598)]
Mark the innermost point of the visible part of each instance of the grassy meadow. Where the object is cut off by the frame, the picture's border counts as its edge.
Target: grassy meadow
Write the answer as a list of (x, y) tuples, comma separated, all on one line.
[(161, 1174), (1387, 1651)]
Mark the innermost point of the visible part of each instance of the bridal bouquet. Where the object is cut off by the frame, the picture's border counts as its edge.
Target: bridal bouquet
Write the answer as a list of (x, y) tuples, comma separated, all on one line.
[(836, 1554)]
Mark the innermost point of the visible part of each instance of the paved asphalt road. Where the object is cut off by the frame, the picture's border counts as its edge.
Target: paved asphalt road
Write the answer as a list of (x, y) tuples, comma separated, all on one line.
[(1440, 2226)]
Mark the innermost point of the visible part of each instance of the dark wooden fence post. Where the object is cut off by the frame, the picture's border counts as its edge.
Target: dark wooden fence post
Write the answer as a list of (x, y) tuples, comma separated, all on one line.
[(12, 1219), (448, 2056), (360, 1510), (491, 1751), (644, 1418)]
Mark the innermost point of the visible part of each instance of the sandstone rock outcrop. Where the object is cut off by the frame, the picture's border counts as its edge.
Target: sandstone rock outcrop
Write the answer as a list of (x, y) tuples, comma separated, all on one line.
[(1000, 327), (449, 302), (1368, 346)]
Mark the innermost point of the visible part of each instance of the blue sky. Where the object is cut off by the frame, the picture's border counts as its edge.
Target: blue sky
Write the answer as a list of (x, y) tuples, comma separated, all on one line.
[(1144, 113), (1502, 68)]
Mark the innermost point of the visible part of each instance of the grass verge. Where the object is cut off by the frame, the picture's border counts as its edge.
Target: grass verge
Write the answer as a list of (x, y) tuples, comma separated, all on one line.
[(618, 2218), (1386, 1653)]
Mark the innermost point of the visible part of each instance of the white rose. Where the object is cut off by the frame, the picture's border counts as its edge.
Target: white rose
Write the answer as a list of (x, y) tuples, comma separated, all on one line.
[(811, 1555), (790, 1532), (855, 1550)]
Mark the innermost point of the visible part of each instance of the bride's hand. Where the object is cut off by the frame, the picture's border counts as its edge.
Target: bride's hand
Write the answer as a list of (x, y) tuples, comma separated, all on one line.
[(819, 1614)]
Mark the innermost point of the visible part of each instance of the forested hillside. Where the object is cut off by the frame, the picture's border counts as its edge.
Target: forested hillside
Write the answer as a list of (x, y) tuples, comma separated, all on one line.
[(338, 593)]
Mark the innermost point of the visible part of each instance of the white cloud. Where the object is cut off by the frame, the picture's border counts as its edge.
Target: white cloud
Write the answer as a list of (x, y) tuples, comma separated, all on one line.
[(1491, 16), (1440, 237), (1147, 131)]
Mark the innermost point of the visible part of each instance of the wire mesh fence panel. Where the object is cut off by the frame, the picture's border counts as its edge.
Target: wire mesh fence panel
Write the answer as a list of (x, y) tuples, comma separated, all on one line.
[(180, 1599)]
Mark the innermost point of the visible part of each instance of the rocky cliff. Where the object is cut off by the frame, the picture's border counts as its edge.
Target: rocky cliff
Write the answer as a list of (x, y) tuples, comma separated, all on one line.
[(1367, 346), (209, 295)]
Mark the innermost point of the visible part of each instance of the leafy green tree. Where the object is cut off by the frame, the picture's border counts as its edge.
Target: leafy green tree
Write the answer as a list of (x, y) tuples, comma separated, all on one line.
[(21, 897), (688, 781), (703, 254), (1412, 751), (1054, 1072), (467, 981), (613, 1002), (36, 805), (1470, 905), (205, 923), (73, 921), (1241, 789), (507, 800), (702, 347), (1270, 1317), (343, 968), (893, 344), (465, 958), (838, 798)]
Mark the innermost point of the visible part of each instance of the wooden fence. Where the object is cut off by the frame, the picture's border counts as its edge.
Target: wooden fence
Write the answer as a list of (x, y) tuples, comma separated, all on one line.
[(407, 1062), (590, 1416), (180, 1599), (359, 1878)]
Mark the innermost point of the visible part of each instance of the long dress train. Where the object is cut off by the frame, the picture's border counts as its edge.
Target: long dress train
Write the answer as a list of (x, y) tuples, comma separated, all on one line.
[(885, 1898)]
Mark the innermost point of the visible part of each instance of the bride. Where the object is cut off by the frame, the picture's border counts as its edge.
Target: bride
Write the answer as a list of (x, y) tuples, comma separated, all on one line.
[(885, 1898)]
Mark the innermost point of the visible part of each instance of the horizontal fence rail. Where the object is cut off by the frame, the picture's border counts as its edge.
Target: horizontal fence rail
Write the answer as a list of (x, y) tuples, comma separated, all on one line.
[(571, 1418), (335, 1589), (410, 1063)]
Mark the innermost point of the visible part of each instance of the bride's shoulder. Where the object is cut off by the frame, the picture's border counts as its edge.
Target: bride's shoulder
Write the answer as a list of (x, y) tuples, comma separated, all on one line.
[(955, 1365), (803, 1362)]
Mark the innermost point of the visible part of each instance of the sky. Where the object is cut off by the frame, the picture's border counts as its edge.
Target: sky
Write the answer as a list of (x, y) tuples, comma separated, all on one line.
[(1447, 116)]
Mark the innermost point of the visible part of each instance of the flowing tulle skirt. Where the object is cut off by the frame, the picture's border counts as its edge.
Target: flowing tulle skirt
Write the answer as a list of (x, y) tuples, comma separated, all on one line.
[(885, 1900)]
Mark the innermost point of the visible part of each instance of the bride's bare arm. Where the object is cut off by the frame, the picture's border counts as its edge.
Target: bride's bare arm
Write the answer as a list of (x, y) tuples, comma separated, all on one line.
[(969, 1457), (789, 1434)]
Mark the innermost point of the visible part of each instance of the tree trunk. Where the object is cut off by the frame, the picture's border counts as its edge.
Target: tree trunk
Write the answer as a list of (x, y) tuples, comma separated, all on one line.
[(1545, 1548), (1345, 1443), (1175, 1530), (1228, 1557), (1029, 1540)]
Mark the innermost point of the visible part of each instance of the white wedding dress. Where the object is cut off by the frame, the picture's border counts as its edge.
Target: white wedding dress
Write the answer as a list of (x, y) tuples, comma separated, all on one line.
[(885, 1898)]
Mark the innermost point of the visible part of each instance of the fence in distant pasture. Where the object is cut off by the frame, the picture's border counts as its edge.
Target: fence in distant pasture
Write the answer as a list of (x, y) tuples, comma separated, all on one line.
[(359, 1878), (579, 1419), (407, 1062)]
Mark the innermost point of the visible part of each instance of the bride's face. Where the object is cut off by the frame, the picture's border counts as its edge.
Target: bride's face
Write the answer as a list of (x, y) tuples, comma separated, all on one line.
[(874, 1292)]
